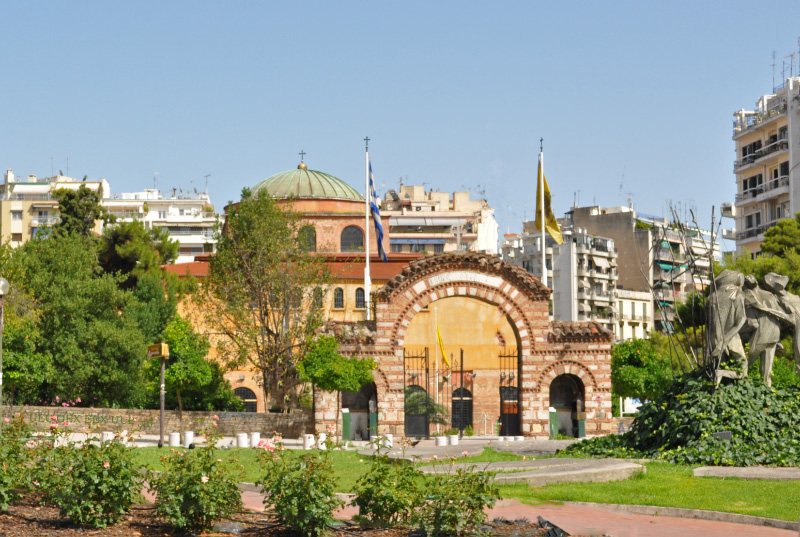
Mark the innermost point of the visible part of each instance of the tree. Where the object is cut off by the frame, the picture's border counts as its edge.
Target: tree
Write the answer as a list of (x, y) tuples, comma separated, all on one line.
[(95, 348), (638, 371), (260, 293), (783, 237), (329, 371), (79, 210), (132, 251)]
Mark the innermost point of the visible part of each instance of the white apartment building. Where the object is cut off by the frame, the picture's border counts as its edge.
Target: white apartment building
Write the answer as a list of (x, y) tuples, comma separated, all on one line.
[(190, 219), (766, 168), (582, 272), (27, 204), (432, 222), (635, 314)]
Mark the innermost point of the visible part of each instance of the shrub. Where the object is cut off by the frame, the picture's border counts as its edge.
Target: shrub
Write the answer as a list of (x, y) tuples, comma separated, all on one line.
[(301, 489), (469, 431), (388, 493), (93, 485), (196, 488), (15, 457), (455, 502)]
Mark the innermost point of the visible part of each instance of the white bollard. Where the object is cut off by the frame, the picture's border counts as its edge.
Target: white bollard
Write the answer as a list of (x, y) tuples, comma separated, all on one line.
[(308, 441), (321, 441), (241, 440), (188, 438), (519, 438), (174, 439), (441, 441), (388, 441), (106, 436), (255, 438), (452, 439)]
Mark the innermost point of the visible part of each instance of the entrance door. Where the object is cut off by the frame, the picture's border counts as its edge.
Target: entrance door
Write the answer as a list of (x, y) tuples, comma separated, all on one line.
[(418, 404), (509, 392), (462, 408), (566, 396)]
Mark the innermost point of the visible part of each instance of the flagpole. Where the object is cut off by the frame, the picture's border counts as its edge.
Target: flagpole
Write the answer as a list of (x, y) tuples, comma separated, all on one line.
[(541, 201), (436, 339), (367, 279)]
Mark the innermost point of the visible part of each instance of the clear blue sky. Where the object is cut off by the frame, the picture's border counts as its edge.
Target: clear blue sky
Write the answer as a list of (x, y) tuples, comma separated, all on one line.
[(630, 97)]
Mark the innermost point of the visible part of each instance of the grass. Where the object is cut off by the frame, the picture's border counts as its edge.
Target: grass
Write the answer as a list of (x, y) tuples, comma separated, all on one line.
[(663, 485)]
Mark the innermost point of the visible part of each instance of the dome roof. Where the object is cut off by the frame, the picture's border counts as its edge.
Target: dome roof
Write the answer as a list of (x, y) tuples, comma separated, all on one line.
[(305, 183)]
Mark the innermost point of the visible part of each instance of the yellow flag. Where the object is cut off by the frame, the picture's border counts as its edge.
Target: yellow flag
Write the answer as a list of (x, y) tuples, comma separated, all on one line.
[(550, 218), (441, 345)]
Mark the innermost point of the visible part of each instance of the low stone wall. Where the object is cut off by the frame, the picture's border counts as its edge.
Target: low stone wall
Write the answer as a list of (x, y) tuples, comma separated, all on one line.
[(292, 425)]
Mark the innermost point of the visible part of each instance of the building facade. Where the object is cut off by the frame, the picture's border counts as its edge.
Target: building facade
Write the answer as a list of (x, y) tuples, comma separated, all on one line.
[(27, 204), (767, 141), (189, 219), (433, 222)]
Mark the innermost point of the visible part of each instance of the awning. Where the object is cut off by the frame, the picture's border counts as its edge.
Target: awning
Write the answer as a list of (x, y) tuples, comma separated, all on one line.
[(601, 262), (613, 309), (584, 307), (700, 250), (418, 241), (583, 283), (666, 266)]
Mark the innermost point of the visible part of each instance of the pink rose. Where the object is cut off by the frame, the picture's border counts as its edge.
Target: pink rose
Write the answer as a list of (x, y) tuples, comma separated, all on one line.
[(106, 464), (204, 479), (54, 425), (58, 399), (78, 400), (465, 453), (6, 420)]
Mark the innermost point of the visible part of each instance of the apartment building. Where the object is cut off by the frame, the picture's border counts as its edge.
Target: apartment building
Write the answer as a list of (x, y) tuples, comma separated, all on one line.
[(190, 219), (766, 168), (582, 272), (653, 256), (433, 222), (635, 314), (27, 205)]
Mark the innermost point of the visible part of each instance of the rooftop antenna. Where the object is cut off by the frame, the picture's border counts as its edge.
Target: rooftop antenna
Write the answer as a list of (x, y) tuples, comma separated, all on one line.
[(773, 70), (207, 176)]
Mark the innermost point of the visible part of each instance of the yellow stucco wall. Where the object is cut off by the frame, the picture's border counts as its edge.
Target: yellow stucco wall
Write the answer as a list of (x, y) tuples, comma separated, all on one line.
[(465, 323)]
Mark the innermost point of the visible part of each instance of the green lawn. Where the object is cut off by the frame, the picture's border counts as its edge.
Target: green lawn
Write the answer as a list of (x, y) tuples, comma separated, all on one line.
[(664, 485)]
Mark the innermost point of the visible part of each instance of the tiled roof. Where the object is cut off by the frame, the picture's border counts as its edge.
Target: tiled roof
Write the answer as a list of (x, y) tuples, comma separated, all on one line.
[(584, 330)]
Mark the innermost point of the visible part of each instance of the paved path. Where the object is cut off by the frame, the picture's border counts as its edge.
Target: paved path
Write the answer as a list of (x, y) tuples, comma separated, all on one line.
[(750, 472)]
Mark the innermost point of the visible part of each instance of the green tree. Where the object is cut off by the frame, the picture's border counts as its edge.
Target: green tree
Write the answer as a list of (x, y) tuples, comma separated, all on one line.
[(638, 370), (132, 251), (260, 293), (783, 237), (95, 348), (79, 211), (326, 369)]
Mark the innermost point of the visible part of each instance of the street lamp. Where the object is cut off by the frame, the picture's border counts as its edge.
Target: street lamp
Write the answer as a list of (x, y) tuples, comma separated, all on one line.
[(4, 286)]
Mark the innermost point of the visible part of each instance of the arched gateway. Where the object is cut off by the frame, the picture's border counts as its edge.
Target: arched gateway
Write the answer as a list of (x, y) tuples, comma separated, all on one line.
[(541, 352)]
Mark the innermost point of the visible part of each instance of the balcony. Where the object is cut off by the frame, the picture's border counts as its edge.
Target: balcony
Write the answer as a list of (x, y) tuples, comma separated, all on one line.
[(771, 188), (743, 124), (602, 296), (670, 255), (45, 221), (781, 144)]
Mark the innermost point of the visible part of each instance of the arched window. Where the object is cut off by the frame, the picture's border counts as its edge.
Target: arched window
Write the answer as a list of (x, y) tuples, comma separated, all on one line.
[(307, 238), (248, 397), (352, 239), (317, 299), (338, 298), (361, 303)]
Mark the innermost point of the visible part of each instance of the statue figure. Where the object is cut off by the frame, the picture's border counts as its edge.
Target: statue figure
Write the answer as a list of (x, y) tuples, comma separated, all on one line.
[(726, 318), (790, 304), (765, 317)]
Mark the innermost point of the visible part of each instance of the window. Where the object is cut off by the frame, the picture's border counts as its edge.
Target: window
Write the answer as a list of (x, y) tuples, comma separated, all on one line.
[(16, 215), (361, 302), (162, 215), (338, 298), (307, 237), (749, 221), (16, 237), (248, 397), (352, 239), (397, 248), (438, 248), (784, 168), (758, 219)]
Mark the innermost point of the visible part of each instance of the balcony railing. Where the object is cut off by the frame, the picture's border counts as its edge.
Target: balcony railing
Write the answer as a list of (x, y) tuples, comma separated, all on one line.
[(778, 182), (780, 144), (741, 125), (45, 221)]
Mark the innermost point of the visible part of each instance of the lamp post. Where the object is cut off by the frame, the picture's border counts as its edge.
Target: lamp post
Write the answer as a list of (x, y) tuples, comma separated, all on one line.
[(4, 286), (160, 350)]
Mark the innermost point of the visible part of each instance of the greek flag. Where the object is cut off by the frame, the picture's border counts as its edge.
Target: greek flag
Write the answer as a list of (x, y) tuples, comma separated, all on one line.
[(376, 215)]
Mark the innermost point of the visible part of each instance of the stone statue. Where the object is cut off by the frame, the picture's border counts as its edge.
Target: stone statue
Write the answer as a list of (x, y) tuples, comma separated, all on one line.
[(726, 318), (790, 304), (765, 317)]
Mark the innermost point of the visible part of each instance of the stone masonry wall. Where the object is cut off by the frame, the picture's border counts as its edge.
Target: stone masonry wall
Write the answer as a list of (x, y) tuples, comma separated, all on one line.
[(292, 425)]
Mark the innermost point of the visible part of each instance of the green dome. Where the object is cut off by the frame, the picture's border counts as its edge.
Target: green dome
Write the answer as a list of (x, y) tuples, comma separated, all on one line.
[(305, 183)]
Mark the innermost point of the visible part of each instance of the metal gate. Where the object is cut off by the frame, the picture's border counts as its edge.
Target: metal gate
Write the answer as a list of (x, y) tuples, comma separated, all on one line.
[(417, 401), (509, 392), (462, 409)]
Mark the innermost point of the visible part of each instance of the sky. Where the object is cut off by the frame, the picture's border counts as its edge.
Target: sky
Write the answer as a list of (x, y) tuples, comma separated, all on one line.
[(633, 99)]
